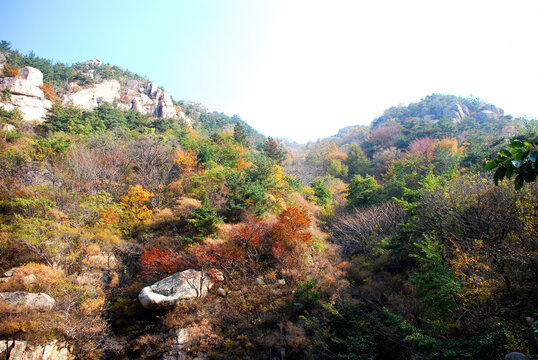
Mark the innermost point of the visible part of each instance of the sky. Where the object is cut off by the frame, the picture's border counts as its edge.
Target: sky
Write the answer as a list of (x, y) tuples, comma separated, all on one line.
[(297, 69)]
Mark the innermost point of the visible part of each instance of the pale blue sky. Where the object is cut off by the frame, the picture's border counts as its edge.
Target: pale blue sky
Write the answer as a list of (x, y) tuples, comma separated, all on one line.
[(295, 68)]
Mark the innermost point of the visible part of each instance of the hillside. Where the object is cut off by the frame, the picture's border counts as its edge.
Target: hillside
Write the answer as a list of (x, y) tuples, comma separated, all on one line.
[(436, 117), (133, 226), (31, 84)]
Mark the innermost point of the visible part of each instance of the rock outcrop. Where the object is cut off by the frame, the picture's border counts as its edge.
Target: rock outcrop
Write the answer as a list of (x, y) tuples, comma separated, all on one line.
[(183, 285), (41, 301), (146, 98), (26, 94), (22, 350), (92, 97)]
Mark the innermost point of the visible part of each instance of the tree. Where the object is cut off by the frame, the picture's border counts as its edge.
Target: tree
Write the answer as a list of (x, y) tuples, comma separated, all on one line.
[(357, 162), (518, 158), (239, 134), (362, 191), (321, 191), (274, 151)]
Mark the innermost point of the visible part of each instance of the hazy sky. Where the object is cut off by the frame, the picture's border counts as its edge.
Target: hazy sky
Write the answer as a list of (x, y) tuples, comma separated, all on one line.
[(298, 69)]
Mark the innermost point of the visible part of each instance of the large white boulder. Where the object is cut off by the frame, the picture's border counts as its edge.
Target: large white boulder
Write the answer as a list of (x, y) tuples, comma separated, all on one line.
[(183, 285), (33, 301), (27, 83)]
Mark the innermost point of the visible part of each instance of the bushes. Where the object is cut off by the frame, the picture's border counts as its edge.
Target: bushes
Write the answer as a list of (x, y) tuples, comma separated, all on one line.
[(362, 230)]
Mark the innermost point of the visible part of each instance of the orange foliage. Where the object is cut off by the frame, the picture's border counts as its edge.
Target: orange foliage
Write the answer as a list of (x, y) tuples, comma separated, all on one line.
[(242, 164), (293, 226), (186, 160), (250, 238), (48, 91), (11, 71)]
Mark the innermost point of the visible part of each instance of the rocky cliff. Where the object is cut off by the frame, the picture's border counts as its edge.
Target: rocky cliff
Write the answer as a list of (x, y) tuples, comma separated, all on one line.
[(23, 92)]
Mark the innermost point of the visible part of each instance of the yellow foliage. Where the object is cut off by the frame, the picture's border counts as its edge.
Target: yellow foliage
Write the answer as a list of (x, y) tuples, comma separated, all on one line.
[(186, 160), (136, 211), (92, 305), (163, 215), (450, 144)]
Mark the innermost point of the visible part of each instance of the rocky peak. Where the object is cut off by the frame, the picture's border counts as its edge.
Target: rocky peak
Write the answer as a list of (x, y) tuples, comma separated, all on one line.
[(94, 61)]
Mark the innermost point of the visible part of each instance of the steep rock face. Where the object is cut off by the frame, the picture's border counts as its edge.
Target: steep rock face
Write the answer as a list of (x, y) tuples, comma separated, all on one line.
[(21, 350), (146, 98), (90, 98), (26, 94), (183, 285)]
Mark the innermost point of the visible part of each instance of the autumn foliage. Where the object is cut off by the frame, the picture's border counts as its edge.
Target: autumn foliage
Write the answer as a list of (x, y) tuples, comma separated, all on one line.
[(49, 92), (186, 160), (293, 226), (11, 71)]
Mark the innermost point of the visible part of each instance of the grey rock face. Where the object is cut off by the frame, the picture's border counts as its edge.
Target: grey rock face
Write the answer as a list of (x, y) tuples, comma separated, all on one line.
[(183, 285), (33, 301)]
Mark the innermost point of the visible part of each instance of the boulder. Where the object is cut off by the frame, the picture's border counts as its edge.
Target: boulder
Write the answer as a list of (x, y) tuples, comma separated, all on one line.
[(516, 356), (32, 75), (27, 83), (32, 108), (8, 127), (19, 350), (221, 291), (183, 285), (33, 301), (29, 279)]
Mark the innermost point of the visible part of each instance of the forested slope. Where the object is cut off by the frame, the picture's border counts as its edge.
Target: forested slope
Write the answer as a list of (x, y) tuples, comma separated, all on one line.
[(396, 244)]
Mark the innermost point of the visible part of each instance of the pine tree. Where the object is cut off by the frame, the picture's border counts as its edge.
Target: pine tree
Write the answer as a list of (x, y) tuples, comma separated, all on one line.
[(239, 135), (273, 150)]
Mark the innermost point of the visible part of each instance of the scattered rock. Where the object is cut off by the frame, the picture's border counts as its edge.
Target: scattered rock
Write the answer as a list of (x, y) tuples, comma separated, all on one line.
[(183, 285), (29, 279), (9, 273), (221, 292), (281, 282), (19, 350), (8, 127), (102, 261), (33, 301)]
